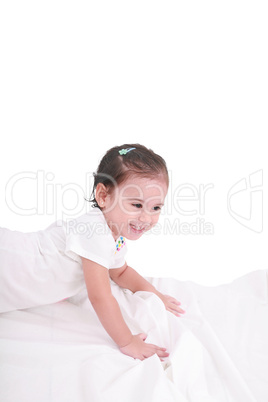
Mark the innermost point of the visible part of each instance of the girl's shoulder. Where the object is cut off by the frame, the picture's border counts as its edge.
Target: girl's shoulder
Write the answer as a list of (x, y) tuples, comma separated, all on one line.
[(88, 223), (90, 237)]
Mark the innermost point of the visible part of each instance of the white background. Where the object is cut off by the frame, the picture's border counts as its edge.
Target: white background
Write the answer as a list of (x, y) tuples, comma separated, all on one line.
[(187, 79)]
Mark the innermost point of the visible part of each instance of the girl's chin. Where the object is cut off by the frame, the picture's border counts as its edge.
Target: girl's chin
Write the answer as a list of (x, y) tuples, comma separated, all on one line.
[(131, 232)]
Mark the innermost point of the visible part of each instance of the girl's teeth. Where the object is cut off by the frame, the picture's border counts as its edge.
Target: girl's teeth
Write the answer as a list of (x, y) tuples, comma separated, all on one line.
[(136, 228)]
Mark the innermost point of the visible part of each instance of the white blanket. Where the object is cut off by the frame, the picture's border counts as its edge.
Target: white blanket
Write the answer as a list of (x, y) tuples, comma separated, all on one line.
[(218, 350)]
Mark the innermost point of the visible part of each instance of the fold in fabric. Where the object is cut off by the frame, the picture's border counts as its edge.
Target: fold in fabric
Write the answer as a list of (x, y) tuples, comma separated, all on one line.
[(218, 349)]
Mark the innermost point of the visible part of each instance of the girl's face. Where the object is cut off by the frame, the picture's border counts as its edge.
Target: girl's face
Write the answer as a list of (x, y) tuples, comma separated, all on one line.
[(134, 206)]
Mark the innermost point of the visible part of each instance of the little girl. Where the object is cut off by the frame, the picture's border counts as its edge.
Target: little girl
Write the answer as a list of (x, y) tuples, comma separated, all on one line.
[(43, 267)]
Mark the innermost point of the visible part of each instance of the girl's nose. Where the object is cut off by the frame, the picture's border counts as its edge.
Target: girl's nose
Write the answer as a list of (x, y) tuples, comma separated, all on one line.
[(145, 217)]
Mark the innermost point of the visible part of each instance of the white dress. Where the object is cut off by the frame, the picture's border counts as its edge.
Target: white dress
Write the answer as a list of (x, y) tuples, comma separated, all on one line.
[(45, 267)]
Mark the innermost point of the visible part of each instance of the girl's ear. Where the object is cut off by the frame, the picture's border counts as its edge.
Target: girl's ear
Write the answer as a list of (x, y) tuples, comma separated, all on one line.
[(101, 194)]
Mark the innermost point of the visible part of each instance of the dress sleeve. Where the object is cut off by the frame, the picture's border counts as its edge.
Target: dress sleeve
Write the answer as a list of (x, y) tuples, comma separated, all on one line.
[(90, 237)]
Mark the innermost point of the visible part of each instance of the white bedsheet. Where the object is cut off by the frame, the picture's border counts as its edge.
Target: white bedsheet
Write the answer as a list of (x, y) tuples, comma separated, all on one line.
[(218, 350)]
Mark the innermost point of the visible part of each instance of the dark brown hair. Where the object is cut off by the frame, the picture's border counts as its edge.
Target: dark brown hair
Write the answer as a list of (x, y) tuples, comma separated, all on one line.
[(115, 168)]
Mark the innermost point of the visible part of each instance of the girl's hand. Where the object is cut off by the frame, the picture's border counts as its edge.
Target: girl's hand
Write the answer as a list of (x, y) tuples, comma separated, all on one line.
[(172, 304), (138, 349)]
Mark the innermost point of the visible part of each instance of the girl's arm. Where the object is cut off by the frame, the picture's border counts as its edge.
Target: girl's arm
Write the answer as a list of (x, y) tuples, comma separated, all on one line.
[(127, 277), (109, 313)]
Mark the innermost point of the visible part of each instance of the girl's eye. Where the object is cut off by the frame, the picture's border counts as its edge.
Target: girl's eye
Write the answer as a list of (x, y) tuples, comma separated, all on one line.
[(137, 205)]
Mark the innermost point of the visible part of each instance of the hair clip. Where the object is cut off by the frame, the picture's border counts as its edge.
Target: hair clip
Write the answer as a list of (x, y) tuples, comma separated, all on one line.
[(125, 151)]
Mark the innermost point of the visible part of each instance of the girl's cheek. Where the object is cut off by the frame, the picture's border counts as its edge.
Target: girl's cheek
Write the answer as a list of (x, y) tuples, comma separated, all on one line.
[(130, 210), (156, 219), (124, 208)]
